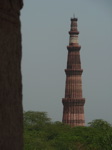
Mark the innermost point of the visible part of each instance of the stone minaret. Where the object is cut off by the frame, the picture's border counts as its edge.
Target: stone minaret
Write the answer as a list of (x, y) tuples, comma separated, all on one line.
[(73, 103)]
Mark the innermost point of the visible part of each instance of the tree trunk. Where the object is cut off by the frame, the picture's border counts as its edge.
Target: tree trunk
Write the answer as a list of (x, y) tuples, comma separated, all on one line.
[(11, 120)]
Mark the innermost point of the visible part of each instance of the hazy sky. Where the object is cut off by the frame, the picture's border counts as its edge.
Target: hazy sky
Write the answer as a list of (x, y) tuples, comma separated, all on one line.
[(45, 26)]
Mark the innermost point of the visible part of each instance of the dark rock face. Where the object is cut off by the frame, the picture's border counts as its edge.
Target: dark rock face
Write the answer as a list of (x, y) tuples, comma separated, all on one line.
[(11, 120)]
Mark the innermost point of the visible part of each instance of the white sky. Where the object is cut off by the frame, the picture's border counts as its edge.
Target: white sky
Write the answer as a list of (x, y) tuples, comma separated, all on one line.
[(45, 26)]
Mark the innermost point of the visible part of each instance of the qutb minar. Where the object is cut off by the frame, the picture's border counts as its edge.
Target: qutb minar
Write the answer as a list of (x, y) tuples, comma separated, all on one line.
[(73, 103)]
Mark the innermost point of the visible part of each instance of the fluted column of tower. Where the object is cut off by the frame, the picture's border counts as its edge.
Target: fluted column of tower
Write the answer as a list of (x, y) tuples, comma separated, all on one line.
[(73, 103)]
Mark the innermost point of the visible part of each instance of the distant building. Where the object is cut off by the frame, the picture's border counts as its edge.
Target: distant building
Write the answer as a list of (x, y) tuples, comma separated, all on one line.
[(73, 103)]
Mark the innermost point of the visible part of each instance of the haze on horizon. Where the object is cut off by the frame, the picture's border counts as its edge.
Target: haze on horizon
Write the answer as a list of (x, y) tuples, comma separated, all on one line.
[(45, 26)]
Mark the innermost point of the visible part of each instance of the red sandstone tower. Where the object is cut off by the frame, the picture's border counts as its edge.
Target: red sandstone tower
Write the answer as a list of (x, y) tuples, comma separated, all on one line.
[(73, 103)]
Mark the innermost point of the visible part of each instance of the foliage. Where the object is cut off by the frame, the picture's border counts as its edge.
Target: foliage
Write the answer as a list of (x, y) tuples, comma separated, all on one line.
[(35, 120), (42, 134), (105, 129), (100, 124)]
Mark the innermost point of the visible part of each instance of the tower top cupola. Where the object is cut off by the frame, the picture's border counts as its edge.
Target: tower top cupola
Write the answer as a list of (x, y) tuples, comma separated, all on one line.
[(74, 18)]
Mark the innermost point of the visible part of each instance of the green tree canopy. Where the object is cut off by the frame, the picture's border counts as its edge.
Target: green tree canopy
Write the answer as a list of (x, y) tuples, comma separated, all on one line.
[(35, 119), (100, 124), (40, 133)]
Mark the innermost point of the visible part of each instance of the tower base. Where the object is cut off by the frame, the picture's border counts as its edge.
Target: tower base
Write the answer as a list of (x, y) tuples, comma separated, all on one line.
[(73, 112)]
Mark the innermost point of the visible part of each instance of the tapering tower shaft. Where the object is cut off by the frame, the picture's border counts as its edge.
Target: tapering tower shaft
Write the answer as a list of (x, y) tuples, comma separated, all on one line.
[(73, 103)]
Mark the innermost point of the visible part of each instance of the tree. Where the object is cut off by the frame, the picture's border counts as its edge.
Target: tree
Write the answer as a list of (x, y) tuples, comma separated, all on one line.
[(100, 124), (40, 133), (105, 136), (34, 135), (35, 120), (11, 121)]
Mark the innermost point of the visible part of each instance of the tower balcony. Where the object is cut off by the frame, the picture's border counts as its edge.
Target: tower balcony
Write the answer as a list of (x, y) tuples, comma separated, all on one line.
[(73, 101), (74, 32), (73, 71), (73, 47)]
